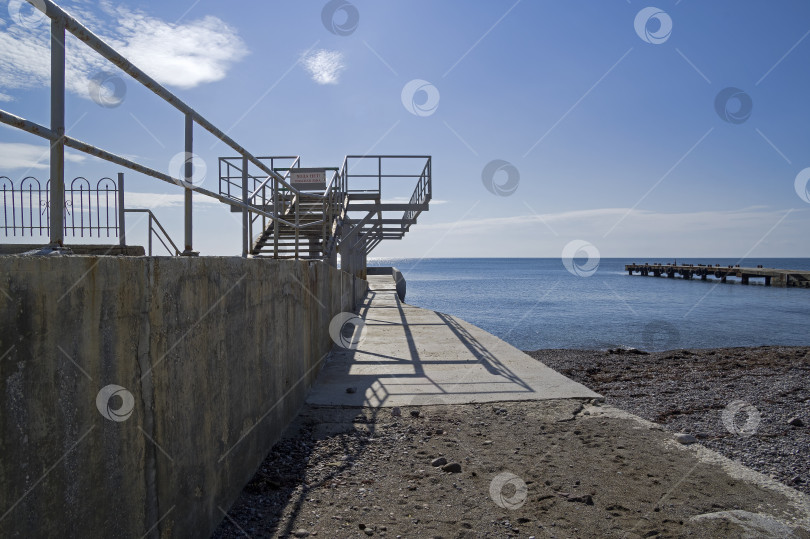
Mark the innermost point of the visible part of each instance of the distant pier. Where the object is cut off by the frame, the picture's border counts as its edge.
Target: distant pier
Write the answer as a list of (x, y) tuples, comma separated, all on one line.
[(773, 277)]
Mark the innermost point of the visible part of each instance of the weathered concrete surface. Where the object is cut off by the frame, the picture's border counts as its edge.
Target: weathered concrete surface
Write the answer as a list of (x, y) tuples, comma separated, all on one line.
[(399, 279), (412, 356), (217, 353), (84, 249)]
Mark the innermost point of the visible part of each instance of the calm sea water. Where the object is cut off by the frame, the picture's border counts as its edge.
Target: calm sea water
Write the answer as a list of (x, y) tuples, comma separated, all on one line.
[(537, 303)]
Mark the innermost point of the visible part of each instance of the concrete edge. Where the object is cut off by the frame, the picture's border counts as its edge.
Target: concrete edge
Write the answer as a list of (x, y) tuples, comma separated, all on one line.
[(799, 501)]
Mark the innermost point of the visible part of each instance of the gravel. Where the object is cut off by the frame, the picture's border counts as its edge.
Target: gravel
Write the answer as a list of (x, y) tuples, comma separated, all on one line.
[(764, 392)]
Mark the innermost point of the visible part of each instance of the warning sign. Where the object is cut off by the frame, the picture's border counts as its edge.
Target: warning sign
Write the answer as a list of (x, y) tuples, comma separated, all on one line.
[(308, 179)]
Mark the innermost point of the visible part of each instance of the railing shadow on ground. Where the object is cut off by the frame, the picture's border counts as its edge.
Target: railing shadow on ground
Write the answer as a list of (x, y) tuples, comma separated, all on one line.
[(375, 384), (353, 427), (280, 485)]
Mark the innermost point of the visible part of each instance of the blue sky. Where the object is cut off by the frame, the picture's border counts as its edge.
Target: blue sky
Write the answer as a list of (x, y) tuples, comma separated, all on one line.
[(614, 132)]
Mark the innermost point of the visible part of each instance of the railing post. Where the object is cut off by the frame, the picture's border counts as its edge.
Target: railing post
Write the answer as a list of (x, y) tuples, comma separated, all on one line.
[(245, 214), (275, 214), (122, 240), (325, 219), (57, 210), (149, 232), (188, 173), (297, 230)]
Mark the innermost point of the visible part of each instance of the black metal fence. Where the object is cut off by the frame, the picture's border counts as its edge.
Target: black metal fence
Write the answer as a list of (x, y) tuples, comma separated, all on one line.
[(90, 210)]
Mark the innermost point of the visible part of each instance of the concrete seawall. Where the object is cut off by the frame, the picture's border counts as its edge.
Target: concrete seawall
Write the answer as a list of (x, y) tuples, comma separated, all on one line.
[(213, 357)]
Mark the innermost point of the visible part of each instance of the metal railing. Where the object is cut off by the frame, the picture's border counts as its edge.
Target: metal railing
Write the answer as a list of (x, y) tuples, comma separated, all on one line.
[(263, 191), (421, 195), (91, 210), (376, 173), (159, 233), (62, 22)]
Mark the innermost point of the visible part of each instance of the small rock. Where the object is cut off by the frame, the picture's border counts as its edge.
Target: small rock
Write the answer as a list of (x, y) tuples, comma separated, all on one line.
[(396, 412), (301, 533), (796, 422), (414, 413), (487, 442), (797, 480), (685, 439), (361, 526), (369, 532), (441, 461), (453, 467), (351, 390)]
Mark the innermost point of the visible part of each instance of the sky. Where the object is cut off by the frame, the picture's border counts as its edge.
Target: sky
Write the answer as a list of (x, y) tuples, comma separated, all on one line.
[(672, 129)]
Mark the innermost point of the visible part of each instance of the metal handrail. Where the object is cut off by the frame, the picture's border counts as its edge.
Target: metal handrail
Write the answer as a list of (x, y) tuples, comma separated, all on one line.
[(154, 219), (61, 22), (333, 201)]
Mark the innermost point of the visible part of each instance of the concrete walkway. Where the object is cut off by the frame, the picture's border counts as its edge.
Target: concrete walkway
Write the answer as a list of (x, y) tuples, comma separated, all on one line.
[(413, 356)]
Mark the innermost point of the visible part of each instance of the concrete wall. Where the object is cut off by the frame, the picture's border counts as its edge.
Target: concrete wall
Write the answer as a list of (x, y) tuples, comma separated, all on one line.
[(217, 354), (83, 249)]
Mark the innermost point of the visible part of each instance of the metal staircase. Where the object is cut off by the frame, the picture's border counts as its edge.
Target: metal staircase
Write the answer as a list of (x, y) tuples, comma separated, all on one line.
[(350, 216), (280, 240), (352, 210)]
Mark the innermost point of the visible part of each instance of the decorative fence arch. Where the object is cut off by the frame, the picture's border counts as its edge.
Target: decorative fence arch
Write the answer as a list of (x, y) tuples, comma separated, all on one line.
[(91, 210)]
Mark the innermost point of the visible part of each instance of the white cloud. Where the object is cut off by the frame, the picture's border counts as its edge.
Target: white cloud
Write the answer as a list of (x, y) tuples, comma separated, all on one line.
[(324, 66), (180, 55), (406, 200), (603, 221), (15, 155), (5, 97), (758, 231), (163, 200)]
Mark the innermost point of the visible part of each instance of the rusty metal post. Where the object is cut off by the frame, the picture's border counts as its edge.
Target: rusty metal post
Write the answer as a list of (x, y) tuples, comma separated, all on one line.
[(189, 173), (57, 161), (245, 214), (122, 239)]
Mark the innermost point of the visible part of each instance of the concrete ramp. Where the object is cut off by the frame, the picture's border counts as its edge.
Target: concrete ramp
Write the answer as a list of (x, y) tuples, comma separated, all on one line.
[(412, 356)]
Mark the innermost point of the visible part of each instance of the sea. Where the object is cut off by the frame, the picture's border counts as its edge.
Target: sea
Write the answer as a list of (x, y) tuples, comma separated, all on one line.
[(537, 303)]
